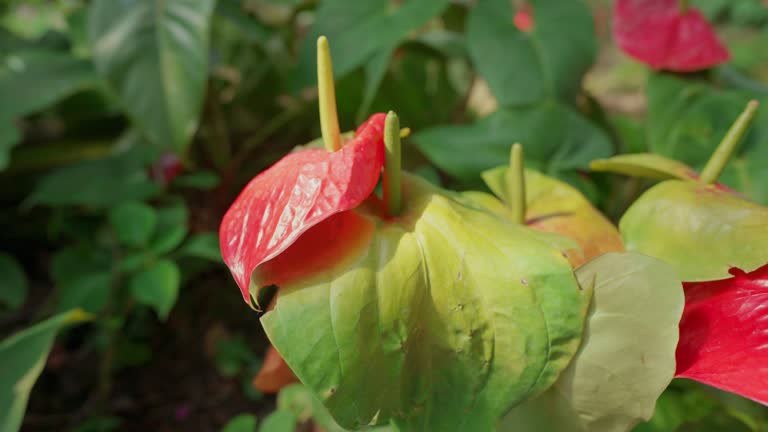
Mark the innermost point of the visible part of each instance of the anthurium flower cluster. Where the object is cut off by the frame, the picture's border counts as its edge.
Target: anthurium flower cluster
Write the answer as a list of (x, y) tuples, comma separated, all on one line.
[(434, 310)]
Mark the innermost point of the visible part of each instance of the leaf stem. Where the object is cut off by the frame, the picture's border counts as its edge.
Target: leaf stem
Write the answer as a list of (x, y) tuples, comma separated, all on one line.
[(728, 145), (517, 183), (329, 120), (392, 165)]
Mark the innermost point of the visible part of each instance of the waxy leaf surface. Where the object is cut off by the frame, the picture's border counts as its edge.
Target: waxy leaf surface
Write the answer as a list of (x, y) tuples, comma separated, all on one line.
[(645, 165), (298, 192), (661, 35), (554, 206), (702, 231), (724, 334), (440, 319), (627, 355)]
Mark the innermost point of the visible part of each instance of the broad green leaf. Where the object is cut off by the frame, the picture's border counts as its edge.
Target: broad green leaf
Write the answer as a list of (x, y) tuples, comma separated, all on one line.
[(157, 286), (556, 139), (134, 222), (627, 355), (120, 178), (450, 312), (89, 292), (24, 355), (524, 68), (702, 231), (645, 165), (241, 423), (554, 206), (203, 245), (154, 53), (172, 228), (359, 30), (13, 281), (687, 119), (375, 69)]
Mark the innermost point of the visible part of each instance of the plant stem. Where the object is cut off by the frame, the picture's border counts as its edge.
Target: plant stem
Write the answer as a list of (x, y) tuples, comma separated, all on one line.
[(517, 184), (728, 145), (329, 120), (392, 165)]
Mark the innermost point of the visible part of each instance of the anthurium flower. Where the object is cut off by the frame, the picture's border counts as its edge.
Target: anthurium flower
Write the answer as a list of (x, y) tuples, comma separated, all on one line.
[(724, 334), (667, 34)]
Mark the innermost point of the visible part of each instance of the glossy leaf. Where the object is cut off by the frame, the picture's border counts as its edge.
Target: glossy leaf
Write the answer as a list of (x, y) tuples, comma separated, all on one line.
[(24, 354), (724, 333), (380, 24), (554, 206), (460, 313), (557, 139), (133, 222), (299, 191), (13, 282), (702, 231), (627, 356), (157, 286), (645, 165), (687, 120), (527, 67), (661, 35), (274, 373), (154, 53)]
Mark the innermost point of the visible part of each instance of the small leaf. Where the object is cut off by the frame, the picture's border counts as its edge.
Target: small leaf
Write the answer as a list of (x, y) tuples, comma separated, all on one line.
[(645, 165), (203, 180), (9, 138), (172, 228), (134, 223), (724, 334), (24, 354), (241, 423), (13, 282), (89, 292), (154, 53), (523, 68), (279, 421), (157, 286), (627, 356), (203, 245)]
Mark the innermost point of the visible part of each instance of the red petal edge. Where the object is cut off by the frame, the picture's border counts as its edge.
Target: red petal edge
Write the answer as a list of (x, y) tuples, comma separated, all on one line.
[(296, 193), (724, 334), (657, 34)]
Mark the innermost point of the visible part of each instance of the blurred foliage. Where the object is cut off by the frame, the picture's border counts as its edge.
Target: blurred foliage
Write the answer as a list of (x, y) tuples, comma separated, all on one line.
[(127, 127)]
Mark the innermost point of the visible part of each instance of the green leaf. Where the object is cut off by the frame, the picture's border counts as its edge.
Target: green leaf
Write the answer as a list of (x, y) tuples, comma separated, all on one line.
[(241, 423), (702, 231), (89, 292), (97, 183), (645, 165), (157, 286), (375, 69), (134, 222), (461, 314), (24, 355), (154, 53), (359, 30), (627, 356), (279, 421), (524, 68), (203, 245), (556, 139), (204, 180), (172, 228), (9, 138), (13, 281), (687, 119)]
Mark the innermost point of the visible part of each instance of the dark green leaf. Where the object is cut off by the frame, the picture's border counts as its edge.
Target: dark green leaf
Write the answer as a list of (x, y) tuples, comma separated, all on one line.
[(203, 245), (13, 282), (24, 355), (172, 228), (155, 55), (9, 138), (134, 222), (524, 68), (204, 180), (241, 423), (157, 286), (556, 139), (89, 292)]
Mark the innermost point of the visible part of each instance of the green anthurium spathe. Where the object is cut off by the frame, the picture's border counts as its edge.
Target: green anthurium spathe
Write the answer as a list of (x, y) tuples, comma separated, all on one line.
[(645, 165), (701, 230), (439, 319), (554, 206), (627, 356)]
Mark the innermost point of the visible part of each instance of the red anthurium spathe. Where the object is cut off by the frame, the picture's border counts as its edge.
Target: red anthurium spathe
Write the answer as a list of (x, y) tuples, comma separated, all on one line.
[(724, 334), (297, 193), (665, 35)]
